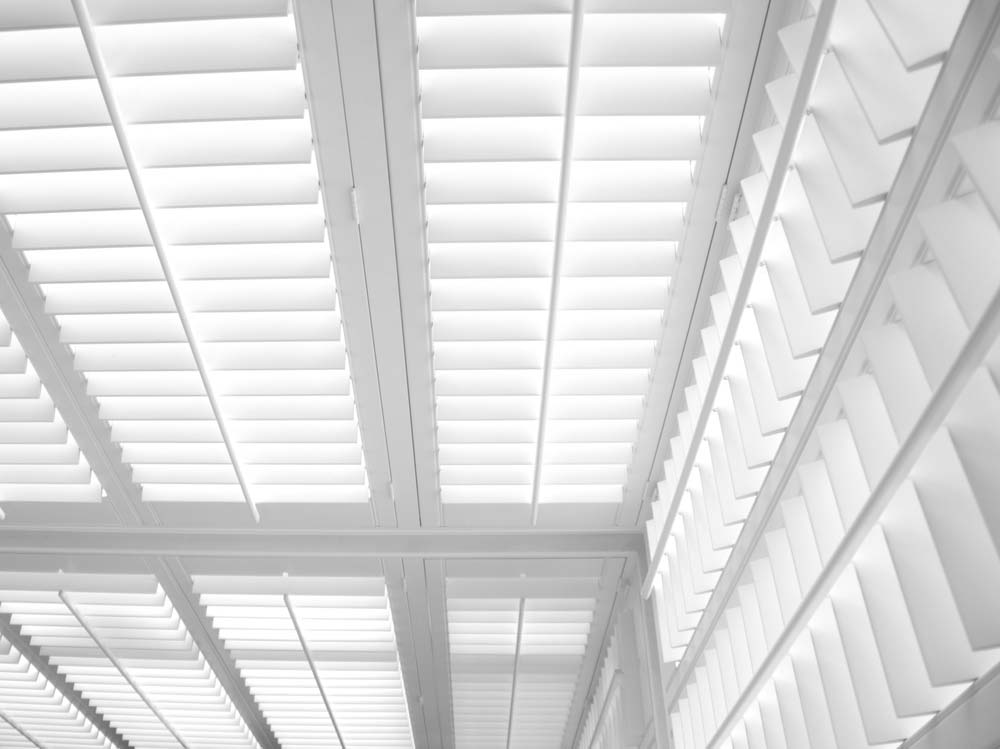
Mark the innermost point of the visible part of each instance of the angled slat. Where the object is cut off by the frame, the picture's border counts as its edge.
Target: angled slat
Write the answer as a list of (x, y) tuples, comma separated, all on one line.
[(210, 148), (557, 171), (120, 643), (335, 679), (890, 414)]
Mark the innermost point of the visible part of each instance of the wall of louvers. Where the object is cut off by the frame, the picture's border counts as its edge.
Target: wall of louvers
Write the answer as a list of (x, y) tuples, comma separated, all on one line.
[(620, 714), (826, 542)]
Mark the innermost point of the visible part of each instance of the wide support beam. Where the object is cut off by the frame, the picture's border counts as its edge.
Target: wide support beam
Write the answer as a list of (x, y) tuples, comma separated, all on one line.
[(431, 575), (440, 543), (382, 289), (324, 90), (413, 658), (395, 35)]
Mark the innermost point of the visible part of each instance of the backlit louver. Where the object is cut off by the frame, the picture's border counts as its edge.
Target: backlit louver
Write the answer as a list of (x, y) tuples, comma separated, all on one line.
[(560, 148), (318, 654), (39, 459), (606, 723), (787, 274), (121, 645), (516, 655), (855, 603), (33, 713), (156, 167)]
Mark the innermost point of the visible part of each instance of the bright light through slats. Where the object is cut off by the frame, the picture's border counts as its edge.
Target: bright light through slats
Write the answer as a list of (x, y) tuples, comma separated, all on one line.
[(39, 459), (516, 637), (493, 95), (347, 635), (826, 210), (213, 103), (826, 542), (141, 669), (30, 705)]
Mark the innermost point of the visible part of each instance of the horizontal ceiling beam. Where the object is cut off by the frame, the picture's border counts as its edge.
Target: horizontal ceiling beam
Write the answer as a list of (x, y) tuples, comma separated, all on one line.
[(435, 543)]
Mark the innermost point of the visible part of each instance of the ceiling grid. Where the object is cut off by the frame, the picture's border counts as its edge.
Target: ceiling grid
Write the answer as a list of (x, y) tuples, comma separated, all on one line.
[(327, 335)]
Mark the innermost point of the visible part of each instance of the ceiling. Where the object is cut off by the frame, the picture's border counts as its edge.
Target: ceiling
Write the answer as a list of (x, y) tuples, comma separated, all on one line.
[(337, 346)]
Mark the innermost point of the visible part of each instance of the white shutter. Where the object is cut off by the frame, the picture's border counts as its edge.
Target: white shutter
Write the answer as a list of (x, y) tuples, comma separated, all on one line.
[(120, 643), (171, 218), (604, 725), (857, 602), (517, 648), (560, 148), (317, 654), (39, 459), (34, 713)]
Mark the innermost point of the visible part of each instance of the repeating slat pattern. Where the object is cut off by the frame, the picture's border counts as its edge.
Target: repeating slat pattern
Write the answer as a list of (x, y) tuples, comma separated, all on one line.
[(39, 459), (30, 704), (826, 210), (122, 646), (561, 147), (516, 656), (865, 608), (911, 621), (482, 636), (212, 101), (605, 724), (279, 629), (529, 206)]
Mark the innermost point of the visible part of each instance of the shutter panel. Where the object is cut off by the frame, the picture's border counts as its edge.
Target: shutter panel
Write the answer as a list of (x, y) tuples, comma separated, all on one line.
[(883, 532), (560, 149), (39, 459), (517, 650), (121, 645), (317, 654), (180, 245), (35, 713)]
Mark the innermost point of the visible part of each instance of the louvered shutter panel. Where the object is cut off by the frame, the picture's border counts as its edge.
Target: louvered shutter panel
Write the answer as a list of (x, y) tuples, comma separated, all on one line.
[(516, 653), (181, 245), (121, 645), (34, 712), (39, 459), (859, 604), (318, 655), (604, 725), (552, 236)]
